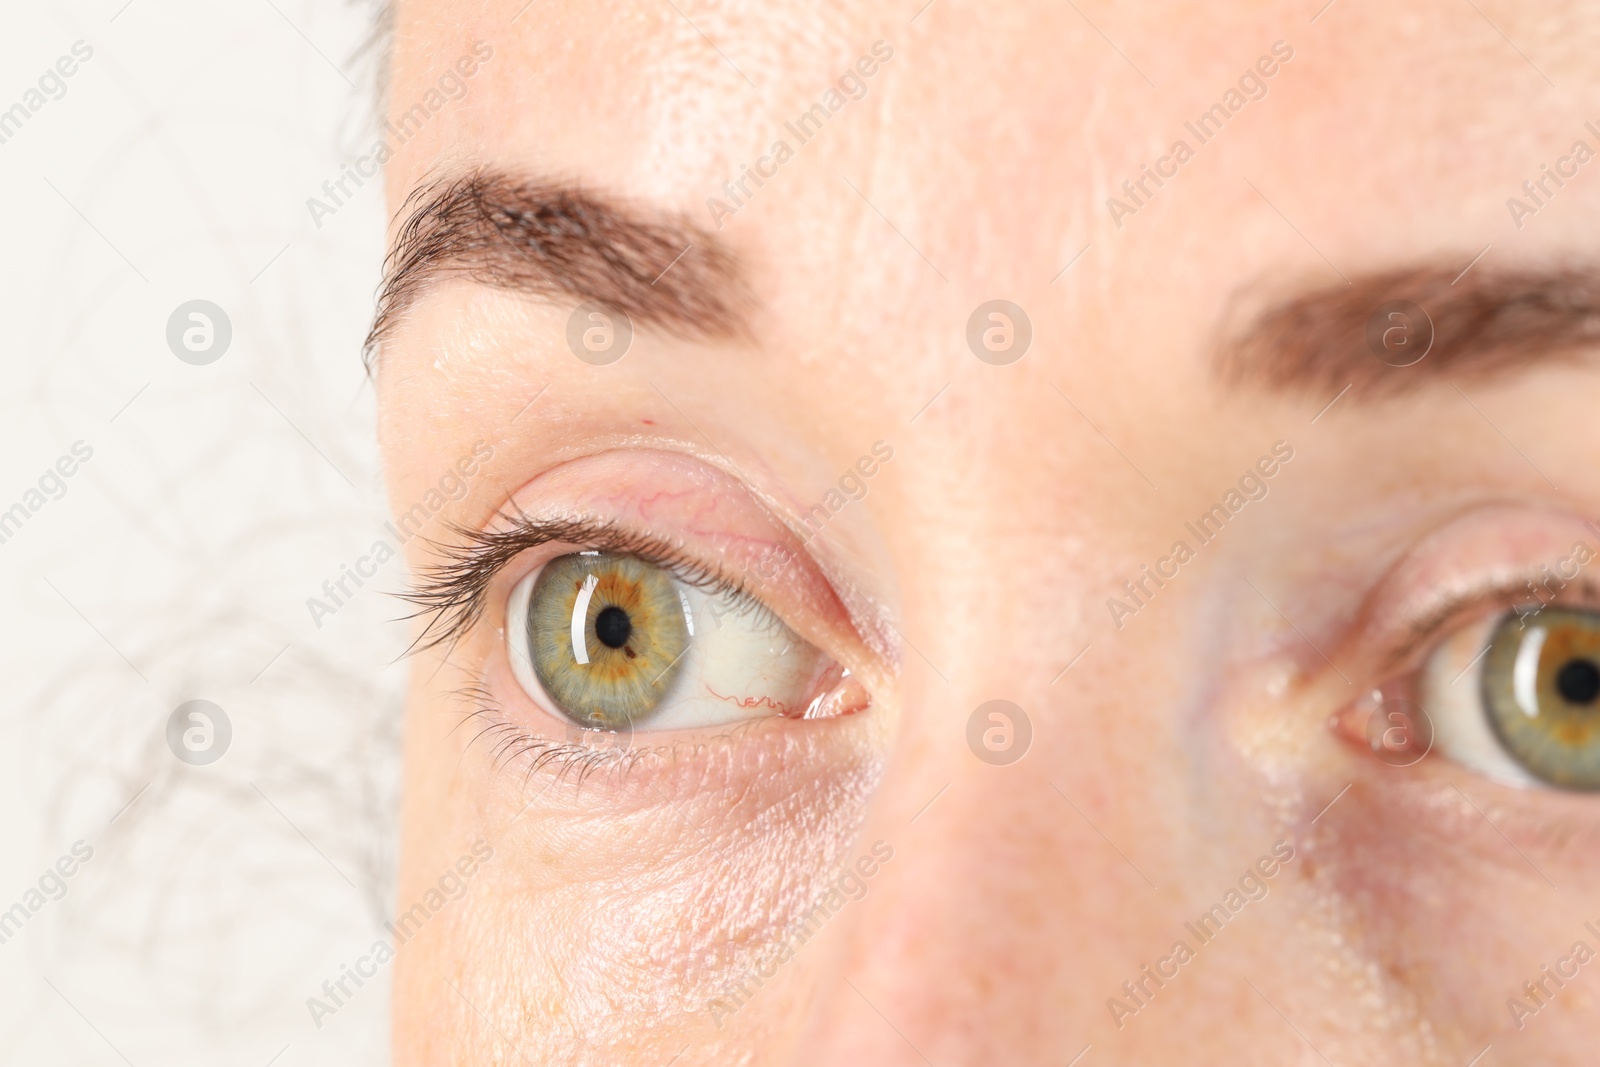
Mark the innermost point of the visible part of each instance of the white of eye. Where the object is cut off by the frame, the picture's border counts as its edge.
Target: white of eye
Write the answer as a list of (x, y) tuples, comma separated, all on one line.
[(1451, 692)]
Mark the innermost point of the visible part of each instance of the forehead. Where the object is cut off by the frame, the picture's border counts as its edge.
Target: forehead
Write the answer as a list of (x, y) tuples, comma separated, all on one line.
[(993, 147), (623, 88)]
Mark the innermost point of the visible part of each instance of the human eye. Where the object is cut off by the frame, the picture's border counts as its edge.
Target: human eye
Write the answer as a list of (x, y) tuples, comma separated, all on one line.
[(1516, 696), (1507, 679), (614, 642), (584, 617)]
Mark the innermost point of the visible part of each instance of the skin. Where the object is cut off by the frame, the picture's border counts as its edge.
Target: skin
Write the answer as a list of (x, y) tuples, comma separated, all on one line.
[(1184, 743)]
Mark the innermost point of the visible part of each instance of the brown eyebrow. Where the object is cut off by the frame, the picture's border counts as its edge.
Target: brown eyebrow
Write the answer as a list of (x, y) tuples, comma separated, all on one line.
[(557, 240), (1484, 325)]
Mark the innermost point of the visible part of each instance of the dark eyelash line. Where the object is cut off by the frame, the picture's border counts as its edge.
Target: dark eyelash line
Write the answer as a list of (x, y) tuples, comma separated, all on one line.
[(511, 743), (1506, 596), (454, 593)]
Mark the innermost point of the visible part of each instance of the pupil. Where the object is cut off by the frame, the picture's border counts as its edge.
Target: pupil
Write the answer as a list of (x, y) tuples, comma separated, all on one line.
[(613, 627), (1578, 681)]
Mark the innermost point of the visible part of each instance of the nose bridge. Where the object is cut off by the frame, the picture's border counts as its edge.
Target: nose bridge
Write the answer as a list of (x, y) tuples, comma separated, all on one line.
[(977, 942), (967, 931), (963, 948)]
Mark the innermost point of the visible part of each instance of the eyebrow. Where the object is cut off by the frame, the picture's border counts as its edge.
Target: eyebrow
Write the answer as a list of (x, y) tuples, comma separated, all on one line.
[(557, 240), (1486, 325)]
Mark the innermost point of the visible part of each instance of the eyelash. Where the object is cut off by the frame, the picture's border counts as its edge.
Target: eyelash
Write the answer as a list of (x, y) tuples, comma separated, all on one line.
[(514, 743), (566, 757), (1500, 597), (453, 594)]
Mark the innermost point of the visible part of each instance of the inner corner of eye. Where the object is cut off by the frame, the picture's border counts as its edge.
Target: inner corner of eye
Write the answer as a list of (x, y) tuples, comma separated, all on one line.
[(609, 641)]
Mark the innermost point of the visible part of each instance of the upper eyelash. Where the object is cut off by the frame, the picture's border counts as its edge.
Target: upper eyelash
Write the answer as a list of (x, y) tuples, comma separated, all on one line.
[(454, 593), (1505, 595)]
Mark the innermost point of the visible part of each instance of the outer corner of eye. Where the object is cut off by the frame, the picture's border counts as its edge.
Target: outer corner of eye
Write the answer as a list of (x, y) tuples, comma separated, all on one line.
[(1516, 698), (609, 641)]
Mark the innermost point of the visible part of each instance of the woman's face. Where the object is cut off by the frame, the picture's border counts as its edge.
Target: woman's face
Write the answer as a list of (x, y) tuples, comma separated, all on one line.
[(1087, 528)]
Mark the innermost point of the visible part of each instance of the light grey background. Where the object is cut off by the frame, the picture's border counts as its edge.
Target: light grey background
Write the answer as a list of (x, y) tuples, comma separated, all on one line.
[(177, 565)]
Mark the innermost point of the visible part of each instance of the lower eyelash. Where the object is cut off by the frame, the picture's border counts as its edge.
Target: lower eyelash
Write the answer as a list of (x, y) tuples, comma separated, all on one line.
[(512, 744)]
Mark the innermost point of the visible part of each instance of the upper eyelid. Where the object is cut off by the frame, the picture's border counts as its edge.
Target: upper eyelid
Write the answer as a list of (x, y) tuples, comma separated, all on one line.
[(673, 509), (1391, 635), (1479, 560), (1499, 595)]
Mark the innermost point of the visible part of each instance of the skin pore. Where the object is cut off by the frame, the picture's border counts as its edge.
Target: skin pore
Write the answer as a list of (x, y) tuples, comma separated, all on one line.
[(1191, 742)]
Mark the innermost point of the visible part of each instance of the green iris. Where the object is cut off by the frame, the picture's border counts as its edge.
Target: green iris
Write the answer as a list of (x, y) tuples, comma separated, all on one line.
[(1541, 689), (606, 636)]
